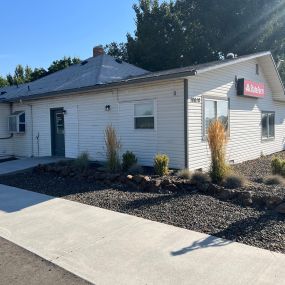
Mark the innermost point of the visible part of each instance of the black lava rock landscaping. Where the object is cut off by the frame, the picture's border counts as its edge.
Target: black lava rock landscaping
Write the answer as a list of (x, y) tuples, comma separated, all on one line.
[(180, 204)]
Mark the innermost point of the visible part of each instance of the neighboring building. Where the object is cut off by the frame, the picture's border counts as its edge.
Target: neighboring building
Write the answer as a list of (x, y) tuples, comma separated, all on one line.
[(65, 113)]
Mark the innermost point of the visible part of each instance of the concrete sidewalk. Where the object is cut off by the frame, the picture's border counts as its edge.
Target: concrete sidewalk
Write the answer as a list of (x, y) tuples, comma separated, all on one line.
[(106, 247), (24, 163)]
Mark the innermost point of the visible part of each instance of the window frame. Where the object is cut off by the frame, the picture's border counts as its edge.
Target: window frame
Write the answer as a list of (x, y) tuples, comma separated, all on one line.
[(145, 116), (215, 99), (268, 138), (17, 116)]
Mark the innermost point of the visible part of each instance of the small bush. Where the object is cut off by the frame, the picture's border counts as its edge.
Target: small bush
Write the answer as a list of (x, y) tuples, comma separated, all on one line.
[(278, 166), (184, 173), (199, 178), (217, 139), (161, 162), (274, 180), (82, 161), (233, 181), (113, 146), (129, 159), (135, 169)]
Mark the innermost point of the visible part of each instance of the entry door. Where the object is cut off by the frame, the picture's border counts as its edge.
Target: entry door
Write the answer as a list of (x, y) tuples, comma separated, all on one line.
[(57, 132)]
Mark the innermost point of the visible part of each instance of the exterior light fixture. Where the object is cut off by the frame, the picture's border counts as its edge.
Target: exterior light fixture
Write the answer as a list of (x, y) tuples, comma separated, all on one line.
[(107, 108)]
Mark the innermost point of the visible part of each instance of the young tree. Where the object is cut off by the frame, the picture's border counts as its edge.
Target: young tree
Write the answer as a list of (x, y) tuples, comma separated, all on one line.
[(10, 79), (3, 82), (62, 63), (117, 50), (19, 76), (28, 74), (38, 73)]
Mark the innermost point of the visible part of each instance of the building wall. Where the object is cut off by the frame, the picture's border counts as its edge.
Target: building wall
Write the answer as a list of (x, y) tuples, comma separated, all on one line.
[(245, 115), (86, 120), (6, 145)]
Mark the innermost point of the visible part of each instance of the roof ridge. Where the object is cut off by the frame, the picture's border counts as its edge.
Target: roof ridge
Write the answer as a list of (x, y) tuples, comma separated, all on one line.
[(100, 68)]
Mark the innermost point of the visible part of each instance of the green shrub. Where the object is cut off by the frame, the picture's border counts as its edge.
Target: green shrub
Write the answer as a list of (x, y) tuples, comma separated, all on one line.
[(82, 161), (129, 159), (113, 146), (274, 180), (161, 162), (217, 139), (278, 166), (233, 181), (199, 178), (184, 173)]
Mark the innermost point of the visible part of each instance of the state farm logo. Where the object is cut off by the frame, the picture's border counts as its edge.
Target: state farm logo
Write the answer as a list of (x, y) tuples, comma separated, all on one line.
[(254, 89)]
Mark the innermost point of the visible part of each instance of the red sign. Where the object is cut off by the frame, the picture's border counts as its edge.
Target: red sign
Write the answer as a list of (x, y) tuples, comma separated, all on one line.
[(249, 88)]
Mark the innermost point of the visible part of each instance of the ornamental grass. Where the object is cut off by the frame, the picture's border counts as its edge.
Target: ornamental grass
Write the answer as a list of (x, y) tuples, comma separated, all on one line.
[(217, 139)]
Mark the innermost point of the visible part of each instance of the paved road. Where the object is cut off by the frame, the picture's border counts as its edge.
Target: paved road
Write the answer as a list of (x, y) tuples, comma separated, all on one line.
[(19, 266)]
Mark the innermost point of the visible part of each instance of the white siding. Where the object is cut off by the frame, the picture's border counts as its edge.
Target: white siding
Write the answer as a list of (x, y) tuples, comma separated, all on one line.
[(86, 119), (6, 146), (245, 115)]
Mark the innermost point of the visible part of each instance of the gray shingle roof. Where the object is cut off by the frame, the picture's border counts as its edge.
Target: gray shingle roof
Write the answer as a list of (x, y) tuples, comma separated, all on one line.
[(98, 70), (102, 71)]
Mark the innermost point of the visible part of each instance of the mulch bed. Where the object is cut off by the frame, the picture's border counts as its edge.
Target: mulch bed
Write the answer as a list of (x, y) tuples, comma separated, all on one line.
[(186, 209)]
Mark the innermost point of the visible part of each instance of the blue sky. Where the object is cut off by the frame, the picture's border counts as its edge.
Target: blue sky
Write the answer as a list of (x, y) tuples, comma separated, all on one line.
[(38, 32)]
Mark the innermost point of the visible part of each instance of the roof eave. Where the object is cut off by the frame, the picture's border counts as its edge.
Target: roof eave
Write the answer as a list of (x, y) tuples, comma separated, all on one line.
[(102, 86), (234, 61)]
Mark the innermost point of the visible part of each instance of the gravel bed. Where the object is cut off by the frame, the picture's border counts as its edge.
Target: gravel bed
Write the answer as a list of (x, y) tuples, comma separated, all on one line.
[(256, 170), (189, 210)]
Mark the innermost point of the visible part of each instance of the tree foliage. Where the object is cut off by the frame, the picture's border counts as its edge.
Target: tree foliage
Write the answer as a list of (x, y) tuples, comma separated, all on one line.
[(27, 74), (3, 82), (185, 32)]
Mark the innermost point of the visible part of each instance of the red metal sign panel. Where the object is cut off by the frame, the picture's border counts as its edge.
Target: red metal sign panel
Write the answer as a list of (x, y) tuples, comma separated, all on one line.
[(251, 88)]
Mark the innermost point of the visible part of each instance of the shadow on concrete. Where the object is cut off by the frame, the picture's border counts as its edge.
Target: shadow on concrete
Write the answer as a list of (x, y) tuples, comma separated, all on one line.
[(210, 241), (13, 199)]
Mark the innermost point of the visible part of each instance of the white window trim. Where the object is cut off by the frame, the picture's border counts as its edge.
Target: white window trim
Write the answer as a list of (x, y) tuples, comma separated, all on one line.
[(18, 123), (149, 116), (263, 139), (204, 135)]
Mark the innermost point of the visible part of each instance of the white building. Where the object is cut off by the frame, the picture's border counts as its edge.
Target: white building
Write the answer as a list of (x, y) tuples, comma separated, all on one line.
[(65, 113)]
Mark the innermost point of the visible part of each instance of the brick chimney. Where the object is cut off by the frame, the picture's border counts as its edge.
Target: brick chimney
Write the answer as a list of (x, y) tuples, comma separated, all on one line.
[(98, 50)]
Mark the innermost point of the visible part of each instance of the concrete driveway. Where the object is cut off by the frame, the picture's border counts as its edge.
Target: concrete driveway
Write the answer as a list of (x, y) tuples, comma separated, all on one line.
[(106, 247), (24, 163)]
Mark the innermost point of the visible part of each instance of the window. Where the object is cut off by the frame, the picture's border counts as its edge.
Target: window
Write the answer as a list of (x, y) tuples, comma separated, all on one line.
[(59, 123), (22, 123), (268, 125), (17, 122), (12, 124), (215, 109), (144, 115)]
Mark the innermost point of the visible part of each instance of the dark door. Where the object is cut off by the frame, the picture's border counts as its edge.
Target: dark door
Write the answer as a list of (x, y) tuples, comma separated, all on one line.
[(57, 132)]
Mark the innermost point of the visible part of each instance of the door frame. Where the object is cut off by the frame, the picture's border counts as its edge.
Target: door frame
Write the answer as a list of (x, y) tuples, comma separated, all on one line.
[(52, 129)]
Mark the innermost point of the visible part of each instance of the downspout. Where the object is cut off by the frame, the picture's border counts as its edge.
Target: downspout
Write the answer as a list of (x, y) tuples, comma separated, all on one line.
[(11, 135), (32, 126), (186, 145)]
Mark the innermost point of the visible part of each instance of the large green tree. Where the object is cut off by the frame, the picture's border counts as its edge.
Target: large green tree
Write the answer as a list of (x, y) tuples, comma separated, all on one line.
[(186, 32)]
